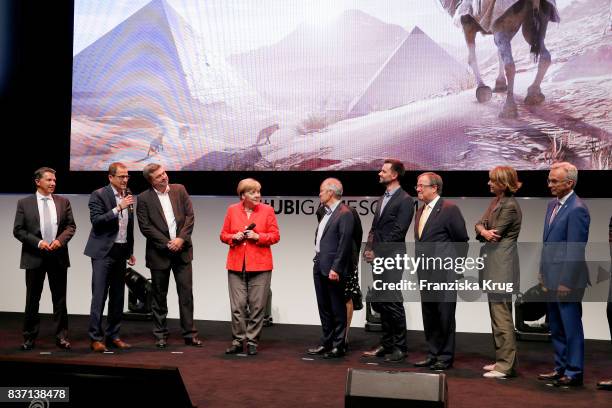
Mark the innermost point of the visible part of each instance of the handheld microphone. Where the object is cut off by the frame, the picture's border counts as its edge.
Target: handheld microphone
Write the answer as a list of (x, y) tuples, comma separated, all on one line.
[(128, 192), (250, 227)]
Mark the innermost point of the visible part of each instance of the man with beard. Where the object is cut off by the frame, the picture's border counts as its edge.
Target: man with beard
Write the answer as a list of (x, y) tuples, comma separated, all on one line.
[(387, 238)]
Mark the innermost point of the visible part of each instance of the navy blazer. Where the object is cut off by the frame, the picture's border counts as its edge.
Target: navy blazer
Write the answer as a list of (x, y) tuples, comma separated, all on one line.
[(563, 260), (444, 235), (105, 224), (391, 225), (335, 247)]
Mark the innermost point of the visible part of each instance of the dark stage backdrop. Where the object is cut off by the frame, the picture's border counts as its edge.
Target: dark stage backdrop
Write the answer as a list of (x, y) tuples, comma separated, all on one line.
[(36, 50)]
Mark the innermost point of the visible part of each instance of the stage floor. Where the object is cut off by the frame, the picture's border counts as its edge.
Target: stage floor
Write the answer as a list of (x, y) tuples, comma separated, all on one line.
[(282, 375)]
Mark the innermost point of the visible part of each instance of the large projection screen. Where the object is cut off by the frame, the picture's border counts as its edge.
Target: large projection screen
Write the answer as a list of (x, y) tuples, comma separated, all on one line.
[(298, 85)]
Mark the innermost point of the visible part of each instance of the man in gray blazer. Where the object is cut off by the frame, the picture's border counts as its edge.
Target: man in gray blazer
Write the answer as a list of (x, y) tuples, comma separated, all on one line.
[(44, 225), (110, 245), (165, 218)]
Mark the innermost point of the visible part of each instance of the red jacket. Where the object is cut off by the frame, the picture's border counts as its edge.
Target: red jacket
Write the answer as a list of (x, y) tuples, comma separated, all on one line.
[(256, 254)]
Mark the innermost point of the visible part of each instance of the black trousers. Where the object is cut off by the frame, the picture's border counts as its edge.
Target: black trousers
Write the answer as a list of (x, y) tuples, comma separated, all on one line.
[(160, 279), (332, 308), (392, 313), (393, 321), (439, 325), (35, 279), (108, 280), (609, 308)]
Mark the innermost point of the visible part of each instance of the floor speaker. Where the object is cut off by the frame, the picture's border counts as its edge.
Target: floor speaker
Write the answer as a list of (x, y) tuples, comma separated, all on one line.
[(100, 384), (394, 389)]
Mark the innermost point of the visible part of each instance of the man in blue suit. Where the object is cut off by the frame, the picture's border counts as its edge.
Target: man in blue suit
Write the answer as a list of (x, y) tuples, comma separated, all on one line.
[(110, 245), (564, 273), (332, 264)]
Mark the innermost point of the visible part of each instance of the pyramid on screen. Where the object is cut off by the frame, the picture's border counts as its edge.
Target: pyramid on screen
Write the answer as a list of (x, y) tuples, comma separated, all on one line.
[(419, 68), (154, 64)]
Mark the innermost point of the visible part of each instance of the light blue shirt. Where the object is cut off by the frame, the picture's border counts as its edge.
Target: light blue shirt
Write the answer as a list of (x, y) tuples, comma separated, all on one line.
[(386, 197)]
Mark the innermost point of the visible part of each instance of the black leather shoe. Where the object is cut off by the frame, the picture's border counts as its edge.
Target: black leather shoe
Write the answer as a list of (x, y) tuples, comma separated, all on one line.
[(251, 349), (396, 356), (566, 381), (428, 362), (63, 344), (161, 343), (336, 352), (234, 349), (605, 385), (552, 376), (315, 351), (27, 345), (379, 351), (193, 341), (440, 366)]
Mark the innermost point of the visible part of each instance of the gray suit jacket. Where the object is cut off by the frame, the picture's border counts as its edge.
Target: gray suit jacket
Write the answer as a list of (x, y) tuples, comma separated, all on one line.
[(27, 230)]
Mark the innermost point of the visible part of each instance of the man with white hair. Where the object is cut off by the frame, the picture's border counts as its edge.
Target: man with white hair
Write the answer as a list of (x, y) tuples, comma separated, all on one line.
[(564, 274), (332, 264)]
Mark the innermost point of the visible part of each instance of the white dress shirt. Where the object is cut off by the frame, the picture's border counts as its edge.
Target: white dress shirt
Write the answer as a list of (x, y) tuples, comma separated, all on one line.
[(123, 219), (164, 199)]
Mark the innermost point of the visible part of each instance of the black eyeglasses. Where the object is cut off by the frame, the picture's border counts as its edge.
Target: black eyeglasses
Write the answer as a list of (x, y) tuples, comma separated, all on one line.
[(123, 177), (423, 185)]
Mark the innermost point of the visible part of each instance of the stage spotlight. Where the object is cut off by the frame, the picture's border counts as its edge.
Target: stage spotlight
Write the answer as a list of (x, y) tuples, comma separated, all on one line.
[(530, 315), (139, 296)]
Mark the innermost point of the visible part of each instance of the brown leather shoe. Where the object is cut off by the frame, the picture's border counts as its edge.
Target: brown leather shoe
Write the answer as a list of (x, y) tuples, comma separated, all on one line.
[(566, 381), (120, 344), (552, 376), (98, 347)]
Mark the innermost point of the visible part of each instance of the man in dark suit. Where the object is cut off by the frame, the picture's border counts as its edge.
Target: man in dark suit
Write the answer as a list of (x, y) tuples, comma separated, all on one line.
[(165, 218), (606, 384), (352, 292), (332, 264), (110, 244), (439, 232), (564, 273), (387, 238), (44, 225)]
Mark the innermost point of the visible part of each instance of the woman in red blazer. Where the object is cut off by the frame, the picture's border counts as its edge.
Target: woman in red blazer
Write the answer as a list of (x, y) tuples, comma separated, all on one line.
[(250, 228)]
